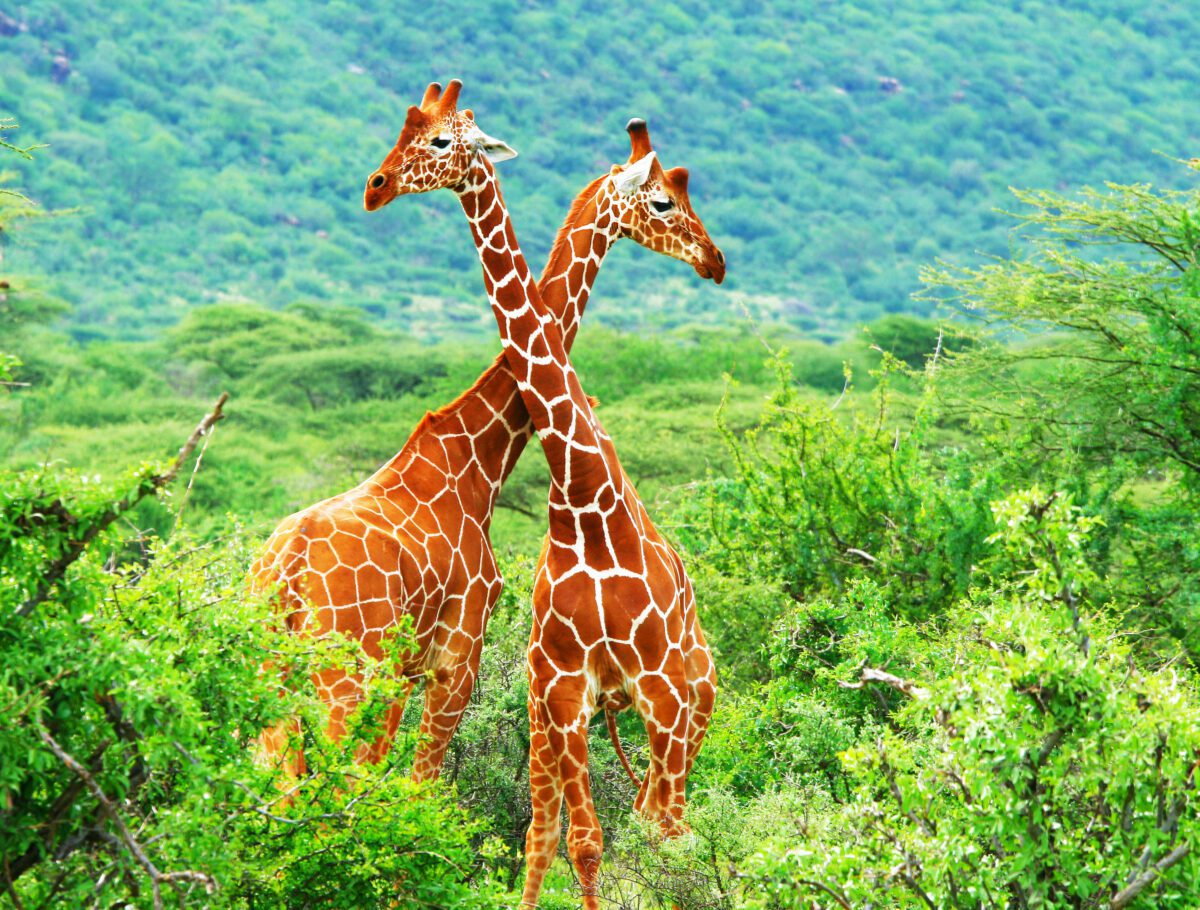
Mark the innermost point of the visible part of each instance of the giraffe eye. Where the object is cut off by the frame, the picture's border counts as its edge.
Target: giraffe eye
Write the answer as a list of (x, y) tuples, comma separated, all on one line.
[(440, 142), (662, 206)]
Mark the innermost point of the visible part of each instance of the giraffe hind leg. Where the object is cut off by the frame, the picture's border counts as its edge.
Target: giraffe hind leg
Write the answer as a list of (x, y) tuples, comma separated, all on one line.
[(702, 686), (280, 747), (446, 700), (378, 750), (663, 703), (448, 687)]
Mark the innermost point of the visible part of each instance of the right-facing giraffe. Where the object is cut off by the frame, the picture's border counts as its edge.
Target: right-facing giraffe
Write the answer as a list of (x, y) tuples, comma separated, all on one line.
[(615, 619)]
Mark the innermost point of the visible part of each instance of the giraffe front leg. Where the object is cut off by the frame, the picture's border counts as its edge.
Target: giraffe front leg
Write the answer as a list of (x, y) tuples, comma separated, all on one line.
[(565, 708), (546, 794), (447, 694), (585, 838)]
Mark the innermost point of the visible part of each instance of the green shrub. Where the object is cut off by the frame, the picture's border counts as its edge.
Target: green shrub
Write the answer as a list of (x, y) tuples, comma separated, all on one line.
[(132, 685), (1040, 767), (821, 496)]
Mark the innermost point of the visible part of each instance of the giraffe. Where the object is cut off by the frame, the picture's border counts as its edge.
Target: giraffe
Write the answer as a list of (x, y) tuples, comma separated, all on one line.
[(413, 539), (614, 614)]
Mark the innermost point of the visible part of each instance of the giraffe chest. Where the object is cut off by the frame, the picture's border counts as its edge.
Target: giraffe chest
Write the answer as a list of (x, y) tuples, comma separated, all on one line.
[(610, 592)]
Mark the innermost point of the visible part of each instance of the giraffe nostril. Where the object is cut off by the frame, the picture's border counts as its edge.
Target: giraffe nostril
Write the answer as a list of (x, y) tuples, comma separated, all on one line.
[(720, 257), (377, 181)]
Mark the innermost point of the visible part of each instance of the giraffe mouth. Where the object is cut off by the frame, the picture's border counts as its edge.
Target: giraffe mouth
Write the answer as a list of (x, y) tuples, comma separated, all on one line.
[(707, 260), (711, 271)]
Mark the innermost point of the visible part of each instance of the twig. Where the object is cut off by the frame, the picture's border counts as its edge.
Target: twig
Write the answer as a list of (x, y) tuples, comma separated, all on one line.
[(58, 810), (8, 885), (841, 901), (1049, 745), (195, 470), (916, 889), (108, 809), (845, 389), (1125, 896), (202, 428), (932, 362), (863, 553), (76, 547)]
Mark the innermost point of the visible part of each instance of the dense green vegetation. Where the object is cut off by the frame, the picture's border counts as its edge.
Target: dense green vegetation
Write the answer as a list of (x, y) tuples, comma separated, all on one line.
[(950, 572), (951, 579), (219, 152)]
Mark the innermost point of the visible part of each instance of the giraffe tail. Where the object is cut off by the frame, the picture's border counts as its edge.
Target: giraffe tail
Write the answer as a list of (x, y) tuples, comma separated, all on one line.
[(610, 717)]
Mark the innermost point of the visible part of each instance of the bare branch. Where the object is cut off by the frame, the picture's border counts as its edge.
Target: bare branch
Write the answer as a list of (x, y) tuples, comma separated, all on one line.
[(1125, 896), (76, 547), (202, 428), (108, 809), (871, 675), (1049, 745), (916, 889), (52, 818), (841, 901)]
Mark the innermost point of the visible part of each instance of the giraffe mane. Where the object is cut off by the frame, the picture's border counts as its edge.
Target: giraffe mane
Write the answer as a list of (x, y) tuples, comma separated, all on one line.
[(433, 417), (586, 195)]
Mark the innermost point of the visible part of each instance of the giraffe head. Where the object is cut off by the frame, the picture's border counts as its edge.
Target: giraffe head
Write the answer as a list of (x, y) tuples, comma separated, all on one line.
[(651, 206), (436, 149)]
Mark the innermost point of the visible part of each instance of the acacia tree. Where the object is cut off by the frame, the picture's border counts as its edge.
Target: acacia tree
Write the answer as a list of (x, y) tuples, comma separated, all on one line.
[(22, 300), (131, 689), (1036, 765), (1108, 300)]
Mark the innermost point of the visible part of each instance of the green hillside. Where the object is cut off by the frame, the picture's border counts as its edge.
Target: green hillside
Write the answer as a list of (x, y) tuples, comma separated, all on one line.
[(218, 150)]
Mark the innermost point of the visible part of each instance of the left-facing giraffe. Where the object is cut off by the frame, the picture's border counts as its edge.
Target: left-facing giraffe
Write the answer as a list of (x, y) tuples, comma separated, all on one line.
[(413, 539)]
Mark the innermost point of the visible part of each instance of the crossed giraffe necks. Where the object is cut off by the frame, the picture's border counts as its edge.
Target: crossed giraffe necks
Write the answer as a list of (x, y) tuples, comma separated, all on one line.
[(565, 286), (413, 538), (533, 342)]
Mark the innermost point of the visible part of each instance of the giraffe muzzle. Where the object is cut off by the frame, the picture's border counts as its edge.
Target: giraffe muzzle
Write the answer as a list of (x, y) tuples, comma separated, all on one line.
[(712, 266), (379, 192)]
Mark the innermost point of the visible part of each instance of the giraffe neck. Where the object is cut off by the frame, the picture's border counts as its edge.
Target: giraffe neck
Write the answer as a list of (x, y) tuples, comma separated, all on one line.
[(481, 434), (575, 259), (533, 345)]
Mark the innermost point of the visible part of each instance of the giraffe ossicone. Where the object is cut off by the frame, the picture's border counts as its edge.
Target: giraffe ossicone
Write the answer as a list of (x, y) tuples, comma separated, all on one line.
[(413, 539), (614, 614)]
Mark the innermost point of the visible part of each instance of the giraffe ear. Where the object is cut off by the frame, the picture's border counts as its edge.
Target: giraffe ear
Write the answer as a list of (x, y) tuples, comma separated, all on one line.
[(634, 177), (494, 149)]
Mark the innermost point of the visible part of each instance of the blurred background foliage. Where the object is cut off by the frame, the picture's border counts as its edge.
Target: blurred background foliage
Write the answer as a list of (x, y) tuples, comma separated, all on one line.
[(220, 152)]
